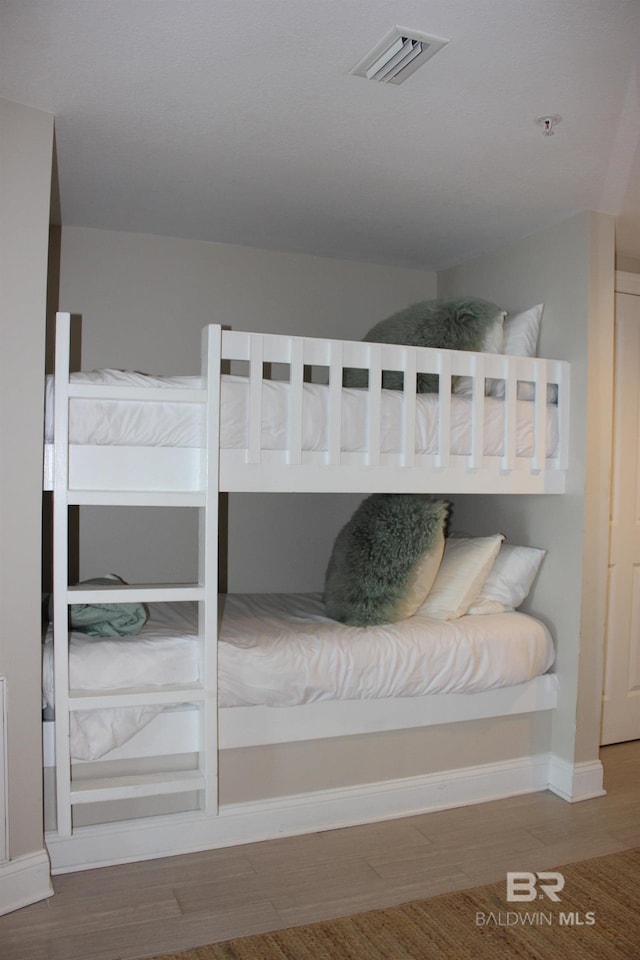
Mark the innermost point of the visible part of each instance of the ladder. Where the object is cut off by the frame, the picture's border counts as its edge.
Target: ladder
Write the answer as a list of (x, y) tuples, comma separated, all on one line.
[(203, 495)]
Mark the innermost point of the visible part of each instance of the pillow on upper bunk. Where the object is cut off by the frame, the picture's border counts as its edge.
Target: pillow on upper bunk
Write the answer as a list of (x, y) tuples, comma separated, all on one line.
[(385, 559), (509, 581), (493, 343), (521, 332), (466, 564), (461, 324), (521, 335)]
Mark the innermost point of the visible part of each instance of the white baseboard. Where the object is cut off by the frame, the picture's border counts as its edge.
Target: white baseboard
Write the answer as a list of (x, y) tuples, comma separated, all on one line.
[(239, 823), (576, 781), (24, 880)]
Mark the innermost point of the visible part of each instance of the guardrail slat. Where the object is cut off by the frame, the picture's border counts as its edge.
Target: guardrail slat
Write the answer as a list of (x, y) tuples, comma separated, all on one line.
[(374, 403), (334, 426), (409, 403), (256, 360), (443, 457), (296, 399)]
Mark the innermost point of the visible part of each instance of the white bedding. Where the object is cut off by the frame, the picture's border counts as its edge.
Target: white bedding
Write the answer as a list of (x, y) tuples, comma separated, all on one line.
[(106, 422), (281, 650)]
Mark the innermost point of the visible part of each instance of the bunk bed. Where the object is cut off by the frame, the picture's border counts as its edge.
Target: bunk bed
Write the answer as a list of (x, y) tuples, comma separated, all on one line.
[(269, 413)]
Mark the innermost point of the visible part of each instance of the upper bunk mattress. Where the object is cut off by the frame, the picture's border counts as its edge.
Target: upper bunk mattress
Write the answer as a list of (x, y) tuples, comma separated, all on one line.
[(128, 423), (282, 650)]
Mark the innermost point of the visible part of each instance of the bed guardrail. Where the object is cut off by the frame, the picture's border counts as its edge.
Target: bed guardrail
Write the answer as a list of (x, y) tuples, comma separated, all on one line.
[(488, 461), (300, 360)]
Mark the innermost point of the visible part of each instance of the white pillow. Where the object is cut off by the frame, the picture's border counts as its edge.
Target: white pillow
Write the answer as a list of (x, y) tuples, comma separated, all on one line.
[(520, 339), (493, 343), (510, 579), (422, 579), (521, 332), (466, 564), (527, 391)]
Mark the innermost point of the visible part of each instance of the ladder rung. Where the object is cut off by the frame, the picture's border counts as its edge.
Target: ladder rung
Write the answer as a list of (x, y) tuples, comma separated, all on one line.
[(138, 697), (105, 391), (131, 592), (135, 498), (143, 785)]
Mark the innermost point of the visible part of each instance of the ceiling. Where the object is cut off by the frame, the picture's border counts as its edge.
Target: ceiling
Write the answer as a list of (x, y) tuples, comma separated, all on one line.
[(239, 121)]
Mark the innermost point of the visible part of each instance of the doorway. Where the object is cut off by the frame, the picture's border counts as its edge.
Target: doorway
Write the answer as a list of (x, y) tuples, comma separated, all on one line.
[(621, 695)]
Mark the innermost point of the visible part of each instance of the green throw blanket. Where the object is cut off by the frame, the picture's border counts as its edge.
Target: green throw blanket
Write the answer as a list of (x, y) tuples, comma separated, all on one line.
[(107, 619)]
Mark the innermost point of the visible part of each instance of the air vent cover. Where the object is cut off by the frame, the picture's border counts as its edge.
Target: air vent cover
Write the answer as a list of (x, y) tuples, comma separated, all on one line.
[(398, 55)]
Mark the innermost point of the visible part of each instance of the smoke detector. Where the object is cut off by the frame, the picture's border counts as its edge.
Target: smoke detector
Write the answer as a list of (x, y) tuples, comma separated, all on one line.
[(398, 55), (548, 121)]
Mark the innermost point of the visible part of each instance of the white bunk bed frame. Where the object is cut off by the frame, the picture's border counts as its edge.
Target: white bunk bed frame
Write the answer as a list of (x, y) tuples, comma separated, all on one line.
[(171, 476)]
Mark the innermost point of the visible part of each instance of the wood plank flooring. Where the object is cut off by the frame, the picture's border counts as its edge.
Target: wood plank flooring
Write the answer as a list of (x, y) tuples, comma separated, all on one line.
[(144, 909)]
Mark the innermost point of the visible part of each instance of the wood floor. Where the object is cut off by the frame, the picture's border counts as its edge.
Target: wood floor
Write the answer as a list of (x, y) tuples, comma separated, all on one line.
[(144, 909)]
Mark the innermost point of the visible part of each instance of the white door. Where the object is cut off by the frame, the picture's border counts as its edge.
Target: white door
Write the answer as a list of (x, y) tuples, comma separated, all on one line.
[(621, 702)]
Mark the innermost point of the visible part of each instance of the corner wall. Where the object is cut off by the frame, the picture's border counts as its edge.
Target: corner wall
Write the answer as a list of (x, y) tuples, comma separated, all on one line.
[(569, 268), (26, 149)]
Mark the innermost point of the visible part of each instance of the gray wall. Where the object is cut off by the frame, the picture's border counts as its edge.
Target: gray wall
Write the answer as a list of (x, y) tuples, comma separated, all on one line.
[(144, 300), (570, 269), (26, 148)]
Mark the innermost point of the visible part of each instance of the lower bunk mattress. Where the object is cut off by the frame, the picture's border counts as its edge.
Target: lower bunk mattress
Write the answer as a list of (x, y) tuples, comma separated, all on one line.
[(280, 650)]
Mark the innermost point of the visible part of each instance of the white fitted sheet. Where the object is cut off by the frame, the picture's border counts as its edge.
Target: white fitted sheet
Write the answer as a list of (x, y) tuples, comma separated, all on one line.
[(127, 423), (281, 650)]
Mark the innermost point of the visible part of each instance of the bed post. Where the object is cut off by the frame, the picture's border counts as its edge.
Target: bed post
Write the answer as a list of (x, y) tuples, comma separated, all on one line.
[(208, 619), (61, 572)]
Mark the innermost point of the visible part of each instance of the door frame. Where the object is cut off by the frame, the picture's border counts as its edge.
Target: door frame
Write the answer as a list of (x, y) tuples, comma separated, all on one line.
[(625, 283)]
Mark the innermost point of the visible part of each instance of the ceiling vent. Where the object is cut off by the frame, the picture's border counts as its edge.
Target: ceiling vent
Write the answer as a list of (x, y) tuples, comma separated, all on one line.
[(398, 55)]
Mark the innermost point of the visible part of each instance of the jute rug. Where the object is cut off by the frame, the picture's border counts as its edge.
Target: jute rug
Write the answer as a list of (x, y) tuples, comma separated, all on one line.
[(596, 916)]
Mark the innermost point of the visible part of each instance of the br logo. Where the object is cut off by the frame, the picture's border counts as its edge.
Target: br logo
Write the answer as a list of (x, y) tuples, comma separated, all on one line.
[(525, 885)]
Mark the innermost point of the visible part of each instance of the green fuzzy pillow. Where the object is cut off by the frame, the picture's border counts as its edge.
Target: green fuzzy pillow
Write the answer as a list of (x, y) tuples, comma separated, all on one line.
[(462, 324), (385, 559)]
